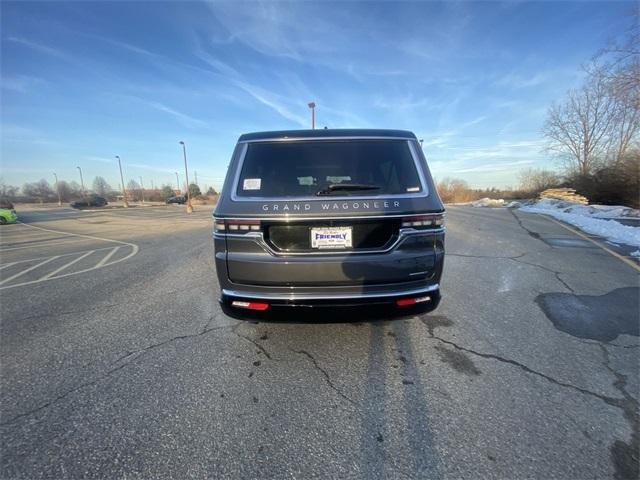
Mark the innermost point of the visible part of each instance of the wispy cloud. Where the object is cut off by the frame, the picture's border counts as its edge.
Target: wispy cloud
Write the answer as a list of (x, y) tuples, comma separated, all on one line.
[(156, 168), (186, 120), (93, 158), (495, 167), (273, 101), (54, 52), (473, 122), (125, 45), (21, 83), (264, 96)]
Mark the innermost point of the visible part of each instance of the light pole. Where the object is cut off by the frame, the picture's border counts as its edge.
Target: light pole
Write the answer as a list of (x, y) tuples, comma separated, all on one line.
[(124, 192), (186, 174), (312, 106), (196, 174), (177, 183), (58, 189), (82, 183), (141, 189)]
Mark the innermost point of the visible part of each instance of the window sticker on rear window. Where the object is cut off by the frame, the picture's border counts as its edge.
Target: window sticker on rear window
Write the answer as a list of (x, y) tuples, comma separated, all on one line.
[(251, 184)]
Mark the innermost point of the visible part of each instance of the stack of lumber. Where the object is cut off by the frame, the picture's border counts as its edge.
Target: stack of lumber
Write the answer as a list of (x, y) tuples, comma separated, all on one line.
[(566, 194)]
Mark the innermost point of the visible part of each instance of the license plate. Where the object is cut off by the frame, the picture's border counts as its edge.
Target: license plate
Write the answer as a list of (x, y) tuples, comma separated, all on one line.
[(331, 237)]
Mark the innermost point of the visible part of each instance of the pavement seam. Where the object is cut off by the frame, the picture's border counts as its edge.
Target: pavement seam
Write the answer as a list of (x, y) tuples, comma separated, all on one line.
[(128, 356)]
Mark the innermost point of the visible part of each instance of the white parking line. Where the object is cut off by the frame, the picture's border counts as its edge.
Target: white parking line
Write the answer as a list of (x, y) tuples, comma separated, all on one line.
[(104, 262), (107, 257), (75, 260), (27, 270), (40, 245), (61, 255)]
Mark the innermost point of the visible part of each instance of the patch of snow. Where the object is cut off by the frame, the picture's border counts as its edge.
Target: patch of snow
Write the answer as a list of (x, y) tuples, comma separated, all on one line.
[(488, 202), (513, 205), (635, 253), (593, 219)]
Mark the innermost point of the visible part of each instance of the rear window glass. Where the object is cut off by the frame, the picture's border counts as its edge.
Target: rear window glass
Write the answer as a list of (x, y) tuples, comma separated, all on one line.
[(333, 168)]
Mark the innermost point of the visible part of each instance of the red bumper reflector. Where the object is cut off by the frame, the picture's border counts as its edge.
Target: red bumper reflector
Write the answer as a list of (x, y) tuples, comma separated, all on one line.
[(250, 305), (406, 302)]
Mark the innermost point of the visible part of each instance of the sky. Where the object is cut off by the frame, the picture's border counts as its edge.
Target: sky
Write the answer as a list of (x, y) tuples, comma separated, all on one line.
[(83, 82)]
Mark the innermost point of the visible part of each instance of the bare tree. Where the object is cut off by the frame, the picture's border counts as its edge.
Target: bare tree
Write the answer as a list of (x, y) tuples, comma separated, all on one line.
[(454, 190), (535, 180), (579, 128), (8, 191), (618, 65), (100, 186), (40, 190)]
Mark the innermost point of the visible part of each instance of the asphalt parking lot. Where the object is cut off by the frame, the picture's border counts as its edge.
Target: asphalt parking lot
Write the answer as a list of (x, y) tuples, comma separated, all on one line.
[(116, 361)]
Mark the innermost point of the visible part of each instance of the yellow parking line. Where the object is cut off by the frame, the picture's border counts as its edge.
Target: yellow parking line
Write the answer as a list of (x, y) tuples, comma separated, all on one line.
[(608, 250)]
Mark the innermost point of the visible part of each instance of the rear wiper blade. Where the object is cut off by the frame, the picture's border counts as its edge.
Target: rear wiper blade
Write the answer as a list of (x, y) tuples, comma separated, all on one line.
[(339, 187)]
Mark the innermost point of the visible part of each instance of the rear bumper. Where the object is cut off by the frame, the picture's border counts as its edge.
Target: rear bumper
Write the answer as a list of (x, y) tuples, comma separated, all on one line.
[(324, 296)]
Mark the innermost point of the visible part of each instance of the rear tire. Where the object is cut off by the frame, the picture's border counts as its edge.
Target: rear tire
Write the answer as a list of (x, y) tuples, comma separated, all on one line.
[(3, 221)]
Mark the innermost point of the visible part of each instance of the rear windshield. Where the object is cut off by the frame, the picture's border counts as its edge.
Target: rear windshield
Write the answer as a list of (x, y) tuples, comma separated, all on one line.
[(331, 168)]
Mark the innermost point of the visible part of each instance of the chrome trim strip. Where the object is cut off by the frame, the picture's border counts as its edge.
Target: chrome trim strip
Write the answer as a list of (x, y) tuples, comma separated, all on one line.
[(423, 183), (404, 233), (287, 218), (343, 296)]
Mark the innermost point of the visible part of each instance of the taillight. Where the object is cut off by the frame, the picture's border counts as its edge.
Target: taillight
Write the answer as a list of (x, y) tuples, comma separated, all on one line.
[(250, 305), (407, 302), (424, 221), (235, 226)]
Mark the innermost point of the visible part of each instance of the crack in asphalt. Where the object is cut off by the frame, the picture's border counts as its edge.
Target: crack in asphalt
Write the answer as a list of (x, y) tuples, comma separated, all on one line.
[(616, 402), (531, 233), (517, 258), (249, 339), (547, 269), (128, 356), (625, 455), (326, 375)]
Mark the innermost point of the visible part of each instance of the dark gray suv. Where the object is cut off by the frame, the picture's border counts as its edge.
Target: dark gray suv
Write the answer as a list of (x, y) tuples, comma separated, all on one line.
[(329, 218)]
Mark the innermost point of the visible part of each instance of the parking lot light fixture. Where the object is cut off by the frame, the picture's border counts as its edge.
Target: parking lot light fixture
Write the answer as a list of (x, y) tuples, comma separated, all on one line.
[(84, 193), (124, 191), (312, 106), (186, 174), (58, 189)]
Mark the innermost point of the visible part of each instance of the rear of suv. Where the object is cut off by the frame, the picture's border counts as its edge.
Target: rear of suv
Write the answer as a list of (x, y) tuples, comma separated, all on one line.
[(328, 218)]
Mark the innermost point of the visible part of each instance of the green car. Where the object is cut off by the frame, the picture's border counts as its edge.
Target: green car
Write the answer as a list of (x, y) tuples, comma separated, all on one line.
[(7, 216)]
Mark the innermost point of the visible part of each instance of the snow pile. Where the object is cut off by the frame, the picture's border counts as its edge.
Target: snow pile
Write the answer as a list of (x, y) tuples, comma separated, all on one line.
[(513, 204), (488, 202), (593, 219), (635, 253)]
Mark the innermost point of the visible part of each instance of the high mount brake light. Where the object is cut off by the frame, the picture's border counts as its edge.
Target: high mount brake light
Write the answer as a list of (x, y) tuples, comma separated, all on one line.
[(236, 226), (423, 221)]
